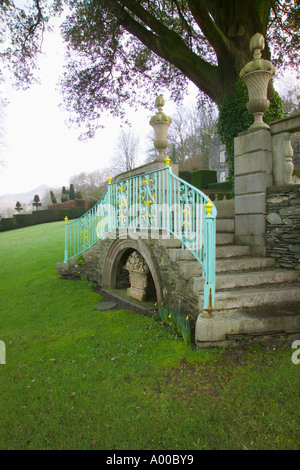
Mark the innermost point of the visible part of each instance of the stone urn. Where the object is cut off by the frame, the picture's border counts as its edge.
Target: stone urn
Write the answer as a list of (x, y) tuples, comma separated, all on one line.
[(256, 75), (138, 276), (160, 123)]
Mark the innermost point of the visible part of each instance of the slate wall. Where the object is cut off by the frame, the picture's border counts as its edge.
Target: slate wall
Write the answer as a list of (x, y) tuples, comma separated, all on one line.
[(283, 225)]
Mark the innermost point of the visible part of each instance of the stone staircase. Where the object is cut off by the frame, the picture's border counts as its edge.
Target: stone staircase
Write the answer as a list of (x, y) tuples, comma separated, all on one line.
[(246, 287)]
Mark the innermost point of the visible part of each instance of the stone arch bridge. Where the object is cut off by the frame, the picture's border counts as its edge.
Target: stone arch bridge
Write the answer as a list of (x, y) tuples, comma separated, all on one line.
[(157, 218)]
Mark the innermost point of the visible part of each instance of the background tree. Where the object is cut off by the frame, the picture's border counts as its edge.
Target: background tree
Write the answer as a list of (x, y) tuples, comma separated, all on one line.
[(53, 198), (191, 132), (64, 194), (36, 202), (291, 96), (169, 43), (125, 153), (166, 43), (72, 192), (2, 131), (18, 207), (91, 185)]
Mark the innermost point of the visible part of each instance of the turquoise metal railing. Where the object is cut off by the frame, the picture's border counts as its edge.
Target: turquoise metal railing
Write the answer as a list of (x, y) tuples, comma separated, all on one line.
[(154, 204)]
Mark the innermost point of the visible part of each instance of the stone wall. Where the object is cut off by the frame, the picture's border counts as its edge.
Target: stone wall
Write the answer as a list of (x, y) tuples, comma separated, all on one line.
[(176, 290), (89, 264), (283, 225)]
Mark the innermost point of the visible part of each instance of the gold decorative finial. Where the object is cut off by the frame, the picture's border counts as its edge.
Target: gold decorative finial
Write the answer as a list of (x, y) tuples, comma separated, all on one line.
[(109, 179), (208, 206), (66, 219), (168, 161)]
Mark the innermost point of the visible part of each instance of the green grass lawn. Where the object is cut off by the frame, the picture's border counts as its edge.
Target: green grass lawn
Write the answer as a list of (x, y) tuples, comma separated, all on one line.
[(77, 378)]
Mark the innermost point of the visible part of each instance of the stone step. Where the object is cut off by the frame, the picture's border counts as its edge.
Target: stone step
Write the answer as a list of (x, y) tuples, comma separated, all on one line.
[(224, 238), (225, 208), (230, 251), (228, 325), (248, 279), (243, 264), (225, 225), (223, 251), (192, 268), (255, 296)]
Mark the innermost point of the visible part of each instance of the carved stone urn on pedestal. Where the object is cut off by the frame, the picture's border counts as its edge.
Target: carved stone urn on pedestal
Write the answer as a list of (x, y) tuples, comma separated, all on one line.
[(138, 276), (256, 75), (160, 123)]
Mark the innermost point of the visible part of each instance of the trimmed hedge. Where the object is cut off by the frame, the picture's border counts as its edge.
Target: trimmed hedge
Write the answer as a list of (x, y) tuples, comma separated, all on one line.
[(186, 176), (202, 178), (7, 224), (220, 186), (69, 204), (224, 185), (40, 217), (199, 178)]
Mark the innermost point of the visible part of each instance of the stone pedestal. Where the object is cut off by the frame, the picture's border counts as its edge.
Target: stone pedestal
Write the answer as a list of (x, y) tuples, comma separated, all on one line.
[(139, 284), (253, 174), (138, 275)]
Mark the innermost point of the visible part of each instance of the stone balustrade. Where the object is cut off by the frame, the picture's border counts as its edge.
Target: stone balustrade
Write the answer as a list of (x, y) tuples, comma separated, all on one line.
[(281, 132)]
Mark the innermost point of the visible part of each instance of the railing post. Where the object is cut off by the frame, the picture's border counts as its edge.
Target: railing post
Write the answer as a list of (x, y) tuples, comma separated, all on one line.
[(210, 258), (168, 222), (66, 240), (110, 212)]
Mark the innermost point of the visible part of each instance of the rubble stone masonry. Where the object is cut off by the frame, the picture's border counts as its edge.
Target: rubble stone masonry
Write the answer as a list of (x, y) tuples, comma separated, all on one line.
[(283, 225)]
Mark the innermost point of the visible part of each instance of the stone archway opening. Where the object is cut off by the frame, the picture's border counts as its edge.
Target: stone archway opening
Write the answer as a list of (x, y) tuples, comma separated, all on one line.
[(134, 278), (122, 274), (116, 275)]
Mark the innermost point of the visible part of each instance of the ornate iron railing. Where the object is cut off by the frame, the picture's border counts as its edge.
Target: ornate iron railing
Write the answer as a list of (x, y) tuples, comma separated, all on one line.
[(155, 204)]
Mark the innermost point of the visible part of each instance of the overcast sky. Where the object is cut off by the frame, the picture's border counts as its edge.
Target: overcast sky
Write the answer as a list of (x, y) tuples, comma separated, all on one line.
[(40, 148)]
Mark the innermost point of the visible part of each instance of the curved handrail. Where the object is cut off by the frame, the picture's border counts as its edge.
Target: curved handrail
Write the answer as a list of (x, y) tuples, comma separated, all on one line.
[(152, 204)]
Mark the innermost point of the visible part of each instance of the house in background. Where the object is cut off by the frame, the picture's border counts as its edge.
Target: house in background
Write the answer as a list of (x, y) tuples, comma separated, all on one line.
[(217, 156), (217, 159)]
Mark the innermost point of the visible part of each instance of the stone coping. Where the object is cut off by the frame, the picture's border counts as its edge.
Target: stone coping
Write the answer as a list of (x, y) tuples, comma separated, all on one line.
[(147, 168), (284, 187), (287, 124)]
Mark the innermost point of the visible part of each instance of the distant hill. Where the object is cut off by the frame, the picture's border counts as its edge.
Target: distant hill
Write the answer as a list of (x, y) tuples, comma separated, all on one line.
[(8, 201)]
